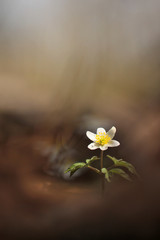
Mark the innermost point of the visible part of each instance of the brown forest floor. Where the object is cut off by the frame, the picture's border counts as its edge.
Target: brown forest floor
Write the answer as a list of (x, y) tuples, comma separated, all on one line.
[(36, 205)]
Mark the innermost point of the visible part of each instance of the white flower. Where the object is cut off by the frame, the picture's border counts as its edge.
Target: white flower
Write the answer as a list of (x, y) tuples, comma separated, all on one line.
[(102, 139)]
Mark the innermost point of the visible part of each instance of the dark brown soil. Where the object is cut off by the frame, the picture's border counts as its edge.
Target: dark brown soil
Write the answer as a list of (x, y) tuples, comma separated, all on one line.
[(34, 205)]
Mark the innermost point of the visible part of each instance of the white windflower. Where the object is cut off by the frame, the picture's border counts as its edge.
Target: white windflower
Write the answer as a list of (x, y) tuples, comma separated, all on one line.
[(102, 139)]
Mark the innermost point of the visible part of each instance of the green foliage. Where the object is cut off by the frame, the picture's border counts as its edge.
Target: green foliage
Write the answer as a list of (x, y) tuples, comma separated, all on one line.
[(122, 163), (74, 167), (94, 158), (120, 172), (106, 172)]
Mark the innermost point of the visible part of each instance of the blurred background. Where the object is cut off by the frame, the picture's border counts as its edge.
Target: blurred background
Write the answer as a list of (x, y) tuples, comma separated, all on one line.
[(67, 67)]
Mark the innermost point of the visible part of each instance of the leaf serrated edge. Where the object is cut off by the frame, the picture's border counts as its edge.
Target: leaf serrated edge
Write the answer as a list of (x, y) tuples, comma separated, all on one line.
[(122, 173), (129, 166)]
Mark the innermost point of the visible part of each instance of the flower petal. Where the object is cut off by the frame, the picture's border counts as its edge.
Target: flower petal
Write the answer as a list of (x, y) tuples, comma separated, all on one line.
[(111, 132), (101, 130), (91, 136), (103, 148), (93, 146), (113, 143)]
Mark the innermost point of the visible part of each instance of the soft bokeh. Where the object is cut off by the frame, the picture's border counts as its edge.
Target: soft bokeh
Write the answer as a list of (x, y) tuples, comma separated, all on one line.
[(56, 54), (68, 66)]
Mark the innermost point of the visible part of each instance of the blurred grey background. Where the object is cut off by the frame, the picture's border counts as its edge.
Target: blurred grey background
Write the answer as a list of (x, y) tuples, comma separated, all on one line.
[(78, 54)]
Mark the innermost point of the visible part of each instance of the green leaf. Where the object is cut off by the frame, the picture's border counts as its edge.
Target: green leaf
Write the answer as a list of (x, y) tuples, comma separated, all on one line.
[(122, 163), (94, 158), (105, 171), (120, 172), (74, 167)]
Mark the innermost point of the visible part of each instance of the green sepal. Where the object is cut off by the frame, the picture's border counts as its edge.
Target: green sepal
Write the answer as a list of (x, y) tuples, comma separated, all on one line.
[(122, 163), (120, 172), (94, 158), (106, 172), (74, 167)]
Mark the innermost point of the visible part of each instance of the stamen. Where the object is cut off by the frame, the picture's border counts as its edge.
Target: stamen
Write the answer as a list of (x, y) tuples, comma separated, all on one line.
[(102, 138)]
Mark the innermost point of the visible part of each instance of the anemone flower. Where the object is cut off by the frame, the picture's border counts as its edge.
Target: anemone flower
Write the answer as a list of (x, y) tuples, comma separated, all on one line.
[(102, 139)]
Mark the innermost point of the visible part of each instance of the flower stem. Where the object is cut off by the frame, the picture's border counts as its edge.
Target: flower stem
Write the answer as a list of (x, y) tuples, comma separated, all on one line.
[(102, 177)]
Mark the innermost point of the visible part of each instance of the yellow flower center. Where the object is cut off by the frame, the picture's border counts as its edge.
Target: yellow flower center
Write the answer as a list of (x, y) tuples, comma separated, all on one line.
[(102, 138)]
